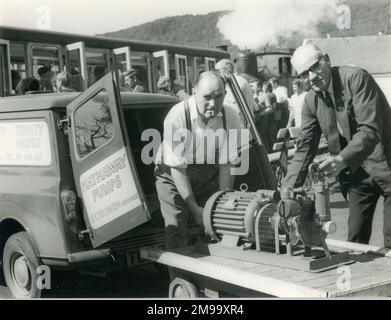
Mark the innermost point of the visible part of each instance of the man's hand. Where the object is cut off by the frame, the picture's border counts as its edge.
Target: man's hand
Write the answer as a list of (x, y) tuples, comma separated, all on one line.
[(331, 166)]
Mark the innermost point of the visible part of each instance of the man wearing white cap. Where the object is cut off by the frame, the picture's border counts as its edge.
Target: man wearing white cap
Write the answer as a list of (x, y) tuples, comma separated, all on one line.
[(347, 105)]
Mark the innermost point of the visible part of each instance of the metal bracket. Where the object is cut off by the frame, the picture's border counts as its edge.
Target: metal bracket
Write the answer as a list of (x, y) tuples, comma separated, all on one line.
[(83, 233), (61, 122), (229, 241)]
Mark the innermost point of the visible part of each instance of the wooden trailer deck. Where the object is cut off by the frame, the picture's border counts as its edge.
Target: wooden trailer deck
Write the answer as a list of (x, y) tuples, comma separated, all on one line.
[(369, 276)]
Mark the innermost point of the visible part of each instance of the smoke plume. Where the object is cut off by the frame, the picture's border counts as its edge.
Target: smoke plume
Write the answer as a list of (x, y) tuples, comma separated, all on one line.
[(259, 23)]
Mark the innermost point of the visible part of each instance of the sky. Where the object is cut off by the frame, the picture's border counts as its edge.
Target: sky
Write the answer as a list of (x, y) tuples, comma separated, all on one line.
[(99, 16)]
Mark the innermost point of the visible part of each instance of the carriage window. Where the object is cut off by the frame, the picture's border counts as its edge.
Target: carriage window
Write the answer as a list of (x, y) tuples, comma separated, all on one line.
[(93, 124), (191, 71), (4, 80), (181, 72), (210, 63), (46, 64), (97, 65), (121, 63), (160, 66), (284, 65), (18, 63), (74, 64), (199, 65), (140, 62), (182, 67)]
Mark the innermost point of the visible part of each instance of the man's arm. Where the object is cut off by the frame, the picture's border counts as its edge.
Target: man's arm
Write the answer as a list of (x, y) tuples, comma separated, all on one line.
[(291, 117), (291, 113), (367, 111), (184, 188), (307, 147)]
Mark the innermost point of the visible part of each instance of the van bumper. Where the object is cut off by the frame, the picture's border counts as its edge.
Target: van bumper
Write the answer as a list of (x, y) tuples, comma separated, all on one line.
[(77, 258), (90, 255)]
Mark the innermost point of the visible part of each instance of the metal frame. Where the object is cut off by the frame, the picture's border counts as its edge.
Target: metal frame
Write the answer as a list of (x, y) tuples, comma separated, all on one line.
[(177, 67), (30, 46), (83, 63), (163, 54), (127, 51), (6, 43), (207, 60)]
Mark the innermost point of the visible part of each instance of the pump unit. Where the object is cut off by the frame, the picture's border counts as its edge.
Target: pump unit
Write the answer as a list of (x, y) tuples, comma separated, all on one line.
[(287, 230)]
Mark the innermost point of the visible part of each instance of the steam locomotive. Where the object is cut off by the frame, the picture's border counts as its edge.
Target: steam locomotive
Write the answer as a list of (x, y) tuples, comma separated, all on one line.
[(267, 64)]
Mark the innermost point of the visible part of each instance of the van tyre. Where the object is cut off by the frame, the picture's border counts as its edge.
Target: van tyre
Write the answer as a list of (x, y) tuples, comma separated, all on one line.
[(20, 265), (181, 288)]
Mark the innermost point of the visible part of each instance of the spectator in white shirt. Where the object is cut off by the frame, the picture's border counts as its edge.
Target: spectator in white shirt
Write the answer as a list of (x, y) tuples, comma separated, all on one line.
[(296, 103), (281, 114)]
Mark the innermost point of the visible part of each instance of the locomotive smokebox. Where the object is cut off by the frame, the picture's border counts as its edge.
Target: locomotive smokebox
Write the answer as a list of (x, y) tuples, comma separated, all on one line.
[(246, 62)]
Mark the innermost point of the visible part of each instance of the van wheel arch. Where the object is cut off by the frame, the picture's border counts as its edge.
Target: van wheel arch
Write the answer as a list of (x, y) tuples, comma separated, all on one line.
[(20, 265), (8, 227)]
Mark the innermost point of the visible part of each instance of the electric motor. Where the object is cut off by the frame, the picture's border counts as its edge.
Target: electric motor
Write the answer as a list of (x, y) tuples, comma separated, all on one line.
[(233, 213)]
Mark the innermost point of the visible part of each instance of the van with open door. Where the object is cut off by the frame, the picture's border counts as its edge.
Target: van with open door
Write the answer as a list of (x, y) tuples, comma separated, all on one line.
[(74, 191), (77, 188)]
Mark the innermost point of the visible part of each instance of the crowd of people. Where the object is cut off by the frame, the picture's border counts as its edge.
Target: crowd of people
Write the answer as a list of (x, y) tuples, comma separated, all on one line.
[(275, 108), (47, 81)]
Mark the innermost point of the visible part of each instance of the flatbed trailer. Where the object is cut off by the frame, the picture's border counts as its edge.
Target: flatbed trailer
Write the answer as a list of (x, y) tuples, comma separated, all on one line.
[(214, 277)]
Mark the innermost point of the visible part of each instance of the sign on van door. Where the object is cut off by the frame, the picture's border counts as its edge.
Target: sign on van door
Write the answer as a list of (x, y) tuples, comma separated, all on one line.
[(104, 170)]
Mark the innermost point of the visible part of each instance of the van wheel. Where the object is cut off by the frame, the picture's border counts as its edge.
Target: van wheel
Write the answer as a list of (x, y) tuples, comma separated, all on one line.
[(20, 265), (181, 288)]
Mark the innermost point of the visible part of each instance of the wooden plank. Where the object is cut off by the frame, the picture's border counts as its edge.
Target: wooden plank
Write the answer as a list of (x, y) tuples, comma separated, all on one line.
[(240, 265), (369, 278), (295, 276), (370, 285), (220, 286), (358, 247), (283, 260), (277, 146), (378, 284), (223, 273), (362, 276), (282, 133), (327, 281), (275, 156), (278, 272)]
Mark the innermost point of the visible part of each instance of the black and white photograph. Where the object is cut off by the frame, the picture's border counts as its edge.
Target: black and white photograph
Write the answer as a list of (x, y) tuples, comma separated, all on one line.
[(213, 150)]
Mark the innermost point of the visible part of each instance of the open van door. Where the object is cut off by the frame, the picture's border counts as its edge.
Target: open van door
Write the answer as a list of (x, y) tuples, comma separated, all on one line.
[(104, 170), (259, 174)]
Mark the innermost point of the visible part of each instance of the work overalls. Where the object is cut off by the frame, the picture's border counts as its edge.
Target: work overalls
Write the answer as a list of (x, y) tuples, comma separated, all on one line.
[(204, 182)]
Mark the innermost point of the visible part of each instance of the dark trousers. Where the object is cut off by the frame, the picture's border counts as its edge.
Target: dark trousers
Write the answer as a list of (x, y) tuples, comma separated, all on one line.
[(364, 194), (176, 214)]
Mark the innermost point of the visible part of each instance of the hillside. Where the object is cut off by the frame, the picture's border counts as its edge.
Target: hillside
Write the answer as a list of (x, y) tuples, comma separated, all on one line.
[(193, 30), (368, 18)]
